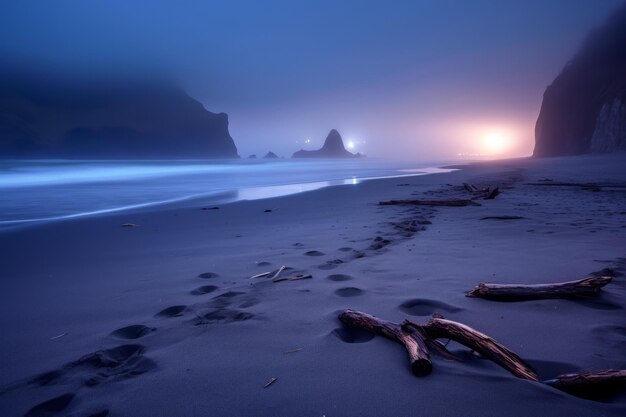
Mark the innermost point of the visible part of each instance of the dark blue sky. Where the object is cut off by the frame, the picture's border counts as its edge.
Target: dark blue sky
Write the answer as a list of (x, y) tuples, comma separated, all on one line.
[(411, 78)]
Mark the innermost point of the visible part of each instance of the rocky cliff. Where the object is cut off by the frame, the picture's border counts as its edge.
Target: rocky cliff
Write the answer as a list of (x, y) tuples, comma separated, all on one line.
[(333, 148), (51, 116), (584, 109)]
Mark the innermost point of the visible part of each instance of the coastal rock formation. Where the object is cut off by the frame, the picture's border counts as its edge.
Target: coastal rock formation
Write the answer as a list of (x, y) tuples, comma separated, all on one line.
[(54, 116), (270, 155), (333, 148), (584, 109)]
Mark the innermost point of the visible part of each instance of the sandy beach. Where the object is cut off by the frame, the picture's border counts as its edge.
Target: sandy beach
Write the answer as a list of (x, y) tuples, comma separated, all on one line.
[(162, 319)]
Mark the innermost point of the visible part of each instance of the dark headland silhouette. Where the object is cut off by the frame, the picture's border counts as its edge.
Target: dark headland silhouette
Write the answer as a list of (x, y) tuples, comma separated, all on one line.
[(270, 155), (50, 116), (333, 148), (584, 109)]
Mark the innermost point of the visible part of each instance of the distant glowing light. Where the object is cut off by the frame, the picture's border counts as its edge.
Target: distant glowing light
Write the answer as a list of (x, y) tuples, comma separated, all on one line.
[(307, 141), (350, 145), (496, 142)]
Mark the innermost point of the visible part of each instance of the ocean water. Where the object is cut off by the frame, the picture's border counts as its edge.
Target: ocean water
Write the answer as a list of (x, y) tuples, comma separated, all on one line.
[(46, 190)]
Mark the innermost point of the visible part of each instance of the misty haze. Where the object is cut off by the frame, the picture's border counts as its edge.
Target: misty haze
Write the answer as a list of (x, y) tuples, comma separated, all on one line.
[(329, 208)]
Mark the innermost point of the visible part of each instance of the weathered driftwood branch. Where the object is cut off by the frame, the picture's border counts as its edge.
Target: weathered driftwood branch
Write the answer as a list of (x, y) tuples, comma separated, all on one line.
[(471, 188), (440, 203), (584, 382), (415, 345), (491, 194), (585, 287), (292, 277), (437, 328), (415, 336), (486, 193)]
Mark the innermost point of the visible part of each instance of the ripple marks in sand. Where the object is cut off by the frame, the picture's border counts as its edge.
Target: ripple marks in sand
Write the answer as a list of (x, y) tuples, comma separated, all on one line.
[(424, 307), (349, 292), (350, 335), (134, 331), (339, 277), (173, 311)]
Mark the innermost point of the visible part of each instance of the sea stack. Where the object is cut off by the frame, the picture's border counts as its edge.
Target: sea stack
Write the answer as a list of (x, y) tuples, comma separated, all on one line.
[(333, 148), (584, 109), (270, 155)]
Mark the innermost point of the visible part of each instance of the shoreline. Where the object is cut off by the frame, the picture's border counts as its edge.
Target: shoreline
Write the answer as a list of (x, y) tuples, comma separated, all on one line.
[(88, 279), (259, 192)]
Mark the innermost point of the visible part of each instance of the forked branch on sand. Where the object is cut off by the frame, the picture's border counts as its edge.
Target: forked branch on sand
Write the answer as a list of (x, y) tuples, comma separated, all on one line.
[(440, 328), (440, 203), (586, 287), (416, 336)]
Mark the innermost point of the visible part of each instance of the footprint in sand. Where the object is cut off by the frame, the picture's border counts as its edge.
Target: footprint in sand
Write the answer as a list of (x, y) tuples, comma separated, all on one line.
[(134, 331), (345, 249), (331, 264), (220, 311), (349, 292), (225, 315), (205, 289), (121, 362), (173, 311), (424, 307), (209, 275), (51, 406), (263, 263), (314, 253), (339, 277), (351, 335)]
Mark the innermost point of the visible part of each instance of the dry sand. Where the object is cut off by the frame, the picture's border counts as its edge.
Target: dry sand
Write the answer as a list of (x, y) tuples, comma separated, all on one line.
[(161, 319)]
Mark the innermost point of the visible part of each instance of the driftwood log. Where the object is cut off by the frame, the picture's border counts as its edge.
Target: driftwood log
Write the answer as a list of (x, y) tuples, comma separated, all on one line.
[(586, 287), (415, 337), (419, 356), (440, 328), (584, 382), (439, 203)]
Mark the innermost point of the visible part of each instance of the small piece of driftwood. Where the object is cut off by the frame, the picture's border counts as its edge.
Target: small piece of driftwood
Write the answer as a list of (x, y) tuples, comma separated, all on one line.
[(281, 269), (583, 382), (292, 277), (439, 203), (440, 328), (471, 187), (261, 275), (270, 382), (491, 194), (129, 225), (415, 345), (586, 287)]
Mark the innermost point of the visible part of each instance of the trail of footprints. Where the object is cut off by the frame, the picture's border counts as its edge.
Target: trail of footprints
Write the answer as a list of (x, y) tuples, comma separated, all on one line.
[(129, 360)]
